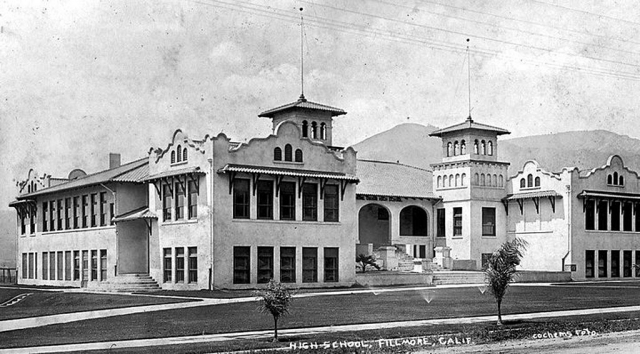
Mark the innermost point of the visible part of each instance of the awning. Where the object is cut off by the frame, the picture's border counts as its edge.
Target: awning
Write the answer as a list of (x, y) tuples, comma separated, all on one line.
[(171, 173), (274, 171), (536, 194), (21, 203), (608, 195), (139, 214)]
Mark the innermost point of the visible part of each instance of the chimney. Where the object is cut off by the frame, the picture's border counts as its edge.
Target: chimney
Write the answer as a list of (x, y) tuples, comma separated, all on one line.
[(114, 160)]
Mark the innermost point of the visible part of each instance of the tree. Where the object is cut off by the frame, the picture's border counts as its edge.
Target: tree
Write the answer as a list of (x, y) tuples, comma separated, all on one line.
[(365, 261), (500, 269), (275, 299)]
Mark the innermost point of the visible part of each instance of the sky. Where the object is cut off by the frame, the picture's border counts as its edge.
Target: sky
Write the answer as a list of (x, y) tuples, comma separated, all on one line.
[(80, 78)]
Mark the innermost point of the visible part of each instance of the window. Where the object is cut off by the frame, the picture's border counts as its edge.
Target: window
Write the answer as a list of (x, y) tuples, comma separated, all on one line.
[(167, 197), (441, 226), (60, 215), (621, 181), (463, 179), (457, 221), (94, 209), (184, 154), (314, 130), (483, 147), (265, 264), (179, 265), (488, 180), (615, 178), (537, 182), (331, 203), (193, 264), (490, 148), (476, 178), (76, 212), (67, 213), (52, 266), (298, 155), (305, 129), (32, 219), (439, 181), (287, 264), (31, 260), (287, 152), (179, 153), (637, 268), (103, 209), (173, 157), (60, 265), (590, 215), (463, 148), (241, 199), (309, 202), (602, 264), (309, 265), (488, 221), (482, 180), (626, 264), (456, 148), (45, 265), (23, 223), (485, 258), (529, 181), (179, 201), (475, 147), (277, 154), (167, 265), (241, 265), (25, 266), (67, 265), (330, 265), (52, 213), (602, 215), (615, 264), (85, 265), (615, 216), (193, 199), (522, 183), (94, 265), (85, 211), (287, 201), (449, 148), (323, 131), (103, 265), (112, 213), (589, 264), (76, 265), (265, 200), (609, 179)]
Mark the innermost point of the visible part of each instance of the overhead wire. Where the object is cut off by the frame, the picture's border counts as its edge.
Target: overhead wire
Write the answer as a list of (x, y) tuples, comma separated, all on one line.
[(586, 12)]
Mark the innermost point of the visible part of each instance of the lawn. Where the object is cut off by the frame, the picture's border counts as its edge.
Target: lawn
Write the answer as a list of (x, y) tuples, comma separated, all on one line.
[(326, 311)]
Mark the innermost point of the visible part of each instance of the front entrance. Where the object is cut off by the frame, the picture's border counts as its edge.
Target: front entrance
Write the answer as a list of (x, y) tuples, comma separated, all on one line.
[(374, 225)]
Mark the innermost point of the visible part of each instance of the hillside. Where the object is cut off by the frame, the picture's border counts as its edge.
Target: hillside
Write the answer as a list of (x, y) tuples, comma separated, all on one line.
[(411, 144)]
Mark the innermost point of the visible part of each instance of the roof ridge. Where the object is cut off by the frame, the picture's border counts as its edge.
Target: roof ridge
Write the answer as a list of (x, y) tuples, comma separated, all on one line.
[(396, 163), (128, 170)]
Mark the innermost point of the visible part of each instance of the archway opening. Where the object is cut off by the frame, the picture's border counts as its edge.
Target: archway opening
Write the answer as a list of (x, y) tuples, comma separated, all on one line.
[(413, 222), (374, 225)]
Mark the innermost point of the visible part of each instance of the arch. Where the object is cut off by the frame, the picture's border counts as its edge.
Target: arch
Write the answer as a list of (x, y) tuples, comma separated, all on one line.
[(287, 152), (488, 179), (500, 181), (621, 180), (457, 180), (609, 179), (173, 157), (305, 129), (530, 180), (490, 148), (523, 183), (482, 179), (463, 148), (413, 221), (439, 181), (314, 130), (537, 182), (449, 149), (495, 180), (462, 179), (298, 155), (184, 154), (477, 179), (451, 181), (179, 153), (615, 178), (475, 147), (483, 147), (456, 148), (323, 131), (277, 154), (374, 225)]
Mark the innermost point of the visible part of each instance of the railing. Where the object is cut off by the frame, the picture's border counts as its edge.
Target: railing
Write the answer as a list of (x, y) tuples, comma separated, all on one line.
[(8, 275)]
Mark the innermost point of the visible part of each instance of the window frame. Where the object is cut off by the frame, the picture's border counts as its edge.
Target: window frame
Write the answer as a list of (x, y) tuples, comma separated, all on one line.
[(331, 265), (242, 198), (310, 202), (287, 264), (331, 203), (265, 268), (287, 198), (457, 222), (241, 265), (264, 199), (488, 221), (309, 264)]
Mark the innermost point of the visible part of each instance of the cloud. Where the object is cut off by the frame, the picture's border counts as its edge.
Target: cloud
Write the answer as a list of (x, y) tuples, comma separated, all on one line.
[(226, 52)]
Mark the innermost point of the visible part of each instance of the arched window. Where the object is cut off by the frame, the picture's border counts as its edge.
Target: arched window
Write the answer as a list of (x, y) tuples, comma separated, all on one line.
[(287, 152), (522, 183), (413, 222), (184, 154), (462, 179), (173, 157), (463, 148), (475, 147), (483, 147), (621, 181), (314, 130), (537, 182), (451, 181), (323, 131), (179, 153), (615, 178), (29, 189), (456, 148), (477, 179), (482, 179), (305, 129), (490, 152), (500, 181), (457, 179), (495, 180), (488, 180), (277, 154), (449, 149), (530, 180), (609, 179), (439, 181), (298, 155)]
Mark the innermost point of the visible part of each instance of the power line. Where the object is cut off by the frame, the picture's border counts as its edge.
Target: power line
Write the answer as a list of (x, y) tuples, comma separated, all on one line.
[(586, 12)]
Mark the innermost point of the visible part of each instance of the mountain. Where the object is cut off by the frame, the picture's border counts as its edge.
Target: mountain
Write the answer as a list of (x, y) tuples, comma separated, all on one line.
[(410, 144), (7, 238)]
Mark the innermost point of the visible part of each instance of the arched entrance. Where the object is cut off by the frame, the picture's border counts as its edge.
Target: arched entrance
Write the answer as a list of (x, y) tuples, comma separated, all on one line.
[(374, 225), (413, 221)]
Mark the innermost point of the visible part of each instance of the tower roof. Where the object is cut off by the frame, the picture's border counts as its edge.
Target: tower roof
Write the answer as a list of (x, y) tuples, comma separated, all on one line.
[(469, 124), (302, 103)]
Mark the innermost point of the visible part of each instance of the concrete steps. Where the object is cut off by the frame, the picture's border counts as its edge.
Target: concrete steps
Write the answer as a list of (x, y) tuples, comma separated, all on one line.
[(457, 277), (128, 283)]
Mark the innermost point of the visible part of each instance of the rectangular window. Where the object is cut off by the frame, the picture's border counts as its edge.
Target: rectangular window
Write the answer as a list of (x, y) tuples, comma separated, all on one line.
[(103, 265), (60, 266), (85, 211), (94, 209), (602, 264), (310, 202), (76, 265), (637, 262), (52, 266), (23, 222), (60, 215), (265, 200), (45, 217), (94, 265), (287, 264), (309, 265), (488, 221), (33, 219), (265, 264), (103, 208), (440, 232), (45, 265), (457, 221), (67, 213), (615, 216), (603, 215), (85, 265), (193, 199), (167, 265), (241, 199), (52, 215), (193, 264), (67, 265), (636, 207), (25, 266), (35, 265), (627, 264), (167, 198), (485, 258), (241, 265), (590, 215), (76, 212), (331, 203), (31, 266), (287, 201), (112, 213), (627, 216), (330, 265), (589, 263), (615, 264), (179, 264), (179, 201)]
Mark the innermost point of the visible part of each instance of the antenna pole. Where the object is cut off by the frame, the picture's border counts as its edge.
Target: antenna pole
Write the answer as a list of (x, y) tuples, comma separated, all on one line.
[(469, 76), (301, 54)]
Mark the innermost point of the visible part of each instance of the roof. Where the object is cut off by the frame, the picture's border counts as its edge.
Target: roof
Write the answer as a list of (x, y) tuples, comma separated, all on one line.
[(469, 124), (123, 173), (536, 194), (605, 194), (169, 173), (383, 178), (140, 213), (287, 172), (302, 103)]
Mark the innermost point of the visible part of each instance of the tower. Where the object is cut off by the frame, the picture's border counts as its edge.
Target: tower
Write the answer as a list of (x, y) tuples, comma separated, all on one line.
[(471, 182)]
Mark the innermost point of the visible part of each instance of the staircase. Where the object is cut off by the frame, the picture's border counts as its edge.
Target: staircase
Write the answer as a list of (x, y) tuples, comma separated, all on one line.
[(405, 261), (127, 283), (458, 277)]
